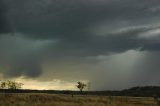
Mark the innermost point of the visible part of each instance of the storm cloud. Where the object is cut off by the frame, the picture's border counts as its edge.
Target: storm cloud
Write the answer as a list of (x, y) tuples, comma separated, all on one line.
[(4, 25), (82, 38)]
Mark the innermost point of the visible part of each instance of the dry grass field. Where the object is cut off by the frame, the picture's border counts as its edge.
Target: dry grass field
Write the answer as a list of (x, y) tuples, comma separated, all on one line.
[(68, 100)]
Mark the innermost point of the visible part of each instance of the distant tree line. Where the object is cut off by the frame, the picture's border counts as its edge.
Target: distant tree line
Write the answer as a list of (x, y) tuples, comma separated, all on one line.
[(146, 91)]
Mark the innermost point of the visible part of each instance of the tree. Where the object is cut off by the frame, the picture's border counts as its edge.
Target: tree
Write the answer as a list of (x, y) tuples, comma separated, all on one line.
[(14, 85), (81, 85), (10, 85), (3, 85)]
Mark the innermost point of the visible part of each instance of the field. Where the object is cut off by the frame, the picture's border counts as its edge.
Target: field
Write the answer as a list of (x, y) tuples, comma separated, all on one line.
[(68, 100)]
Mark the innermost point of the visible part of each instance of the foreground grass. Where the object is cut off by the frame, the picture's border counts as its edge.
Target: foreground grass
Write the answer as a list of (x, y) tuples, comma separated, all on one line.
[(67, 100)]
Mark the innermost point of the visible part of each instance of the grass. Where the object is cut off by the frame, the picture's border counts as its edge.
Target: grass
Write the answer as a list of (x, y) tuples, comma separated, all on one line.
[(67, 100)]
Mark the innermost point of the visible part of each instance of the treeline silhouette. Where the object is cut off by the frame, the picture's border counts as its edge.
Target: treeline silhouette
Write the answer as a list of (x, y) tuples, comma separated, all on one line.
[(146, 91)]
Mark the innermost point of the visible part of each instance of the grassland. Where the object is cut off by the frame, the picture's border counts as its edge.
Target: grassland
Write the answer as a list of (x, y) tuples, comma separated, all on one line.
[(68, 100)]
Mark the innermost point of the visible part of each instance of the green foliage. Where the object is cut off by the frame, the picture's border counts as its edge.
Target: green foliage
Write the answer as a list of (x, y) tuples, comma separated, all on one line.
[(3, 85), (81, 85), (10, 85)]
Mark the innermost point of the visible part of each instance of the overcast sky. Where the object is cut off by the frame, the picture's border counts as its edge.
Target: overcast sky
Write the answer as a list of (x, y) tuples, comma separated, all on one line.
[(114, 44)]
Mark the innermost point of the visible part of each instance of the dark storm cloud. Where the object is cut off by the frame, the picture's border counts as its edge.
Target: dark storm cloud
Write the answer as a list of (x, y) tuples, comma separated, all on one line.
[(83, 28), (22, 56), (30, 68), (4, 26), (72, 21), (67, 18)]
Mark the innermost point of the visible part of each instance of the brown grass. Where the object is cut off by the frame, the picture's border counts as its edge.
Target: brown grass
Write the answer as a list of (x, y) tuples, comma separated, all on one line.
[(67, 100)]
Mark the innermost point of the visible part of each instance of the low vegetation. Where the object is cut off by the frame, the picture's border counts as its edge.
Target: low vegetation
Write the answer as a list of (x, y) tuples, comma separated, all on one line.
[(11, 94), (68, 100)]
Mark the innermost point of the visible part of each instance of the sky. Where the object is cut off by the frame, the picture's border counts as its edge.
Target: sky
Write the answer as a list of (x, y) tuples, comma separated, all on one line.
[(52, 44)]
